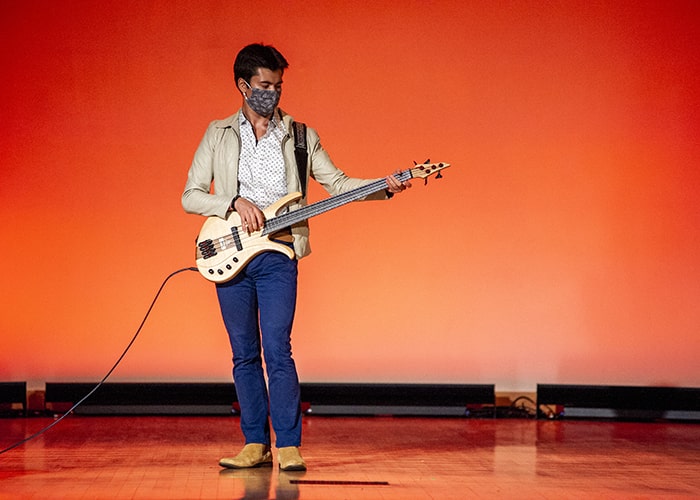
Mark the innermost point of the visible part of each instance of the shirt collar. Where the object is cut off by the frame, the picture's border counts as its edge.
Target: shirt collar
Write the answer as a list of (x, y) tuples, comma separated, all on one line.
[(276, 121)]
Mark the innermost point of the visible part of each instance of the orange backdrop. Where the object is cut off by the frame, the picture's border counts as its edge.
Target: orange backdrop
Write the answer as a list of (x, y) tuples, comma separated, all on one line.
[(561, 247)]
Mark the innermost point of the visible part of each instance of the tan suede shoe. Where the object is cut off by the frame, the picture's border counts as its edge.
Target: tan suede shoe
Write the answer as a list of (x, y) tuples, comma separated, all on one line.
[(252, 455), (290, 459)]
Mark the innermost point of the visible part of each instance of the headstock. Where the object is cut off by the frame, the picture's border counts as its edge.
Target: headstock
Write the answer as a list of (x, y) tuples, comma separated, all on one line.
[(425, 170)]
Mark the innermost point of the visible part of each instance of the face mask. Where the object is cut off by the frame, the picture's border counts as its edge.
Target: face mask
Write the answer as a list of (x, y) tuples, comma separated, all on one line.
[(263, 102)]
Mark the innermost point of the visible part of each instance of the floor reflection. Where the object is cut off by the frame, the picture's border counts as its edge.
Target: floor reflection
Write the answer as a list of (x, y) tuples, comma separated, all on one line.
[(264, 483)]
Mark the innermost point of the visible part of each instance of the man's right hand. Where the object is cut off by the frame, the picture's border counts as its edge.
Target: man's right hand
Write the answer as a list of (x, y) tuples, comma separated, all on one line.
[(252, 218)]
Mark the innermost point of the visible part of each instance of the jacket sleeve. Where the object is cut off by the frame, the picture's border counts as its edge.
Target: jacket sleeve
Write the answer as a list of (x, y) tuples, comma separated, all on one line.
[(197, 197), (331, 177)]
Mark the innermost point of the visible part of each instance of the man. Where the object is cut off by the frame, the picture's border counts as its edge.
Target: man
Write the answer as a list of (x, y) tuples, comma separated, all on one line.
[(249, 157)]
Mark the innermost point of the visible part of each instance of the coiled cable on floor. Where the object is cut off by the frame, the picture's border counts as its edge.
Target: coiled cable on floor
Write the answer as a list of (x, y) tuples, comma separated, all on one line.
[(99, 384)]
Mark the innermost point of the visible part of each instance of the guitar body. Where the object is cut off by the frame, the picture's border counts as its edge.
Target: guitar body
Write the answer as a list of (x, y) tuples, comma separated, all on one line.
[(224, 248)]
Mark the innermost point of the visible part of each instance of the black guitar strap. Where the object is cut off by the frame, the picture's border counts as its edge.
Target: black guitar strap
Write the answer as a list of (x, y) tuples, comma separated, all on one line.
[(300, 153)]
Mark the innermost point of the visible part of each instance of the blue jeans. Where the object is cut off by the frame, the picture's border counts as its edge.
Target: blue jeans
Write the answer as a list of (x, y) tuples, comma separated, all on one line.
[(258, 305)]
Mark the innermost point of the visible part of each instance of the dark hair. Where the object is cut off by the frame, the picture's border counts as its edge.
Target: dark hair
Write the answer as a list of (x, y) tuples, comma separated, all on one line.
[(255, 56)]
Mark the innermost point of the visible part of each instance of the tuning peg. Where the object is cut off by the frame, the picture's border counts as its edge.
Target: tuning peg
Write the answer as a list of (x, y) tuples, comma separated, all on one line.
[(426, 182), (427, 161), (439, 175)]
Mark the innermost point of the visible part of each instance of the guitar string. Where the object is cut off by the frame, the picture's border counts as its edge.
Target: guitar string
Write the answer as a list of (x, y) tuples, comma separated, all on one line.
[(285, 220)]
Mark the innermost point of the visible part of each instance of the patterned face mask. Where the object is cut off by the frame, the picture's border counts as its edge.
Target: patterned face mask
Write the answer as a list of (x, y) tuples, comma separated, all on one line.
[(263, 102)]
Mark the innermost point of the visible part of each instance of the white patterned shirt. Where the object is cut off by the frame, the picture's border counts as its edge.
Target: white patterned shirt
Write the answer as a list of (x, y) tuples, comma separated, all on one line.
[(262, 176)]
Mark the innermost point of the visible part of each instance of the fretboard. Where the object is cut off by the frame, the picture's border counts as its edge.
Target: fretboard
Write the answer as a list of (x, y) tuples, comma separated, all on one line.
[(290, 218)]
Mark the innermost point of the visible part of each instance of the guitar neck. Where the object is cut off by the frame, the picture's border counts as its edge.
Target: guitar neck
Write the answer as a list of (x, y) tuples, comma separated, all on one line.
[(290, 218)]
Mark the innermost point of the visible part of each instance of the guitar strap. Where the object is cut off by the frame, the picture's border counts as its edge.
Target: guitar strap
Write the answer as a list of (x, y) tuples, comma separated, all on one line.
[(300, 153)]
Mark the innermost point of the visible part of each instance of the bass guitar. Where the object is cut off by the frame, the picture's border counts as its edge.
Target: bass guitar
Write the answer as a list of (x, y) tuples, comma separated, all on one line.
[(224, 247)]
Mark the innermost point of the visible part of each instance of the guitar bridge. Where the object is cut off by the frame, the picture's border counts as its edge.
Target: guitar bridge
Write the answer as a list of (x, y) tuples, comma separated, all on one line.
[(206, 249)]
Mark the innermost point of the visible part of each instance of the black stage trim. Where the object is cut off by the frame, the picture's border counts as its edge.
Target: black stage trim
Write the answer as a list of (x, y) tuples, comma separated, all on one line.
[(142, 398), (317, 398), (619, 402), (13, 394), (396, 399)]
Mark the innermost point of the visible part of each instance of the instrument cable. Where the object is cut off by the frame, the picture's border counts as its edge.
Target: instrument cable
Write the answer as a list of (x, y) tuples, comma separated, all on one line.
[(99, 384)]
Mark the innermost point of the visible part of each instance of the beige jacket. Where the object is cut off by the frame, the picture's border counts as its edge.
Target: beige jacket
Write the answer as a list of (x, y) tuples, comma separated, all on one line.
[(216, 161)]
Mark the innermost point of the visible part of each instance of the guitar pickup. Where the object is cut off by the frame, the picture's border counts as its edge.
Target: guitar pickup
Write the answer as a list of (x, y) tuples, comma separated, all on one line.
[(236, 238)]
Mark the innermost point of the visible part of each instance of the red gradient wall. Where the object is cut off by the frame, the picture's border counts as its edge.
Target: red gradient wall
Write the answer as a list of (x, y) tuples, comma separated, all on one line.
[(561, 247)]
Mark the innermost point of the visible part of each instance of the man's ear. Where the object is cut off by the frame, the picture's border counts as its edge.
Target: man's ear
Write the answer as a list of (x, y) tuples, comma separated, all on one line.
[(241, 85)]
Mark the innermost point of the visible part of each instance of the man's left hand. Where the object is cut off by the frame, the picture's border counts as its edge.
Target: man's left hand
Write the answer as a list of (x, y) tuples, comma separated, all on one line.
[(393, 185)]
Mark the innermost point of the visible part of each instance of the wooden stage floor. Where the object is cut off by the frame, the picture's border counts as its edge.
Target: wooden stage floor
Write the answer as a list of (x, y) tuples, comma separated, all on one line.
[(161, 457)]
